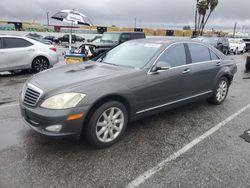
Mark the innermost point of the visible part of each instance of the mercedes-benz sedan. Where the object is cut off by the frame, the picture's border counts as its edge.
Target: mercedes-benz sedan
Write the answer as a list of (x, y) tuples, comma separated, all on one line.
[(136, 79)]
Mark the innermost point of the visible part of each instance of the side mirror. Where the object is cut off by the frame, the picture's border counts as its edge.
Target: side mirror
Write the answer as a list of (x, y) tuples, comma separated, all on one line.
[(161, 66)]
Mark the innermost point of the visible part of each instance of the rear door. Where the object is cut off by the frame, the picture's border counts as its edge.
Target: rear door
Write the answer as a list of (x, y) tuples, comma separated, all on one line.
[(205, 66), (16, 53), (175, 83)]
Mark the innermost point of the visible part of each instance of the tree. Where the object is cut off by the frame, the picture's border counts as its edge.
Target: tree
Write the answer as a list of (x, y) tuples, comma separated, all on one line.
[(201, 17)]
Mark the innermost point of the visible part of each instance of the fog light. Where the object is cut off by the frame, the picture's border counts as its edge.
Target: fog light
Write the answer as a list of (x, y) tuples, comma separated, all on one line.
[(54, 128)]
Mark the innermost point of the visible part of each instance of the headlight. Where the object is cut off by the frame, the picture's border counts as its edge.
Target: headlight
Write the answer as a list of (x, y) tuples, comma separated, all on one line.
[(63, 101)]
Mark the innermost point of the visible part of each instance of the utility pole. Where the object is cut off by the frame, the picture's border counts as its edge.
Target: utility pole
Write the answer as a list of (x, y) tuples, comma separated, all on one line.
[(47, 13), (235, 26), (135, 22)]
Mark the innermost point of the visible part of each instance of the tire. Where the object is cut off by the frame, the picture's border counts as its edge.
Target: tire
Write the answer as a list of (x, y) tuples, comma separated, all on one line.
[(40, 64), (221, 91), (104, 139)]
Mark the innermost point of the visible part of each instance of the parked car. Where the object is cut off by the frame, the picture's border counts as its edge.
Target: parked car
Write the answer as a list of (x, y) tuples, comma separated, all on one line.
[(20, 53), (247, 43), (221, 43), (94, 39), (99, 98), (236, 45), (53, 39), (75, 38), (110, 40), (39, 38)]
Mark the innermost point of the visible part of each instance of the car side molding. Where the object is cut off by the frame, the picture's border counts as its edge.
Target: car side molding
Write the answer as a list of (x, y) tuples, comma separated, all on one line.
[(173, 102)]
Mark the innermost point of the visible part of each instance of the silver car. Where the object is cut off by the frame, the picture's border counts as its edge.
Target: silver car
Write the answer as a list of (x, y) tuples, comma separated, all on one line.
[(19, 53)]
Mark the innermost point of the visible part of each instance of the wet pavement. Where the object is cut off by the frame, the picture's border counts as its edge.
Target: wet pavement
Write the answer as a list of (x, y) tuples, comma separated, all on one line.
[(28, 159)]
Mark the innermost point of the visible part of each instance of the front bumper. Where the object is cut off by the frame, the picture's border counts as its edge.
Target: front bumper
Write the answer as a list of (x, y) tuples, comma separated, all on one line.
[(39, 119)]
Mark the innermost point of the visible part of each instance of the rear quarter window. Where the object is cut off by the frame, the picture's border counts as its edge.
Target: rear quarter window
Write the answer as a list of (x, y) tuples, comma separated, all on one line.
[(199, 53), (15, 43)]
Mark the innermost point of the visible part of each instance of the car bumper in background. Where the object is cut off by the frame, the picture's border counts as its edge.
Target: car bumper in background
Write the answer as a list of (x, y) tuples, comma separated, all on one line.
[(54, 59)]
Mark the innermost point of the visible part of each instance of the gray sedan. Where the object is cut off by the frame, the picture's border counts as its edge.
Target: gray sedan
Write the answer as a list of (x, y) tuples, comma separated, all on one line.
[(98, 98)]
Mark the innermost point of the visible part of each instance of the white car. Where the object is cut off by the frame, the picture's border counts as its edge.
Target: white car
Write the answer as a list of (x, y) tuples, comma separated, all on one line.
[(236, 45), (21, 53)]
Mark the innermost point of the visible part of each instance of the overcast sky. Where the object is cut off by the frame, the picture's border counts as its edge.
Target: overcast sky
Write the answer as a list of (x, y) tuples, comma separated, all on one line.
[(149, 13)]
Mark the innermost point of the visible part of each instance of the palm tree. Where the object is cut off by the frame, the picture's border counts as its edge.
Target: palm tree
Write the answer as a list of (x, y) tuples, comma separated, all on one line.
[(202, 6)]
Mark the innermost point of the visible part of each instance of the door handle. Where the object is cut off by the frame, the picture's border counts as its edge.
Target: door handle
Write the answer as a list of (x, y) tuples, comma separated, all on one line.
[(186, 71), (2, 53), (218, 64)]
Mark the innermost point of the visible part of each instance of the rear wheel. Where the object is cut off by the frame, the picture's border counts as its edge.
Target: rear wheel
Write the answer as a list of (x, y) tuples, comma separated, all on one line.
[(221, 91), (39, 64), (107, 124)]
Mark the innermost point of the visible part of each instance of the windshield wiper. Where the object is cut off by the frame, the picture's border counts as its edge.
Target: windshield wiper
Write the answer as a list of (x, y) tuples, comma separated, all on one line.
[(117, 65)]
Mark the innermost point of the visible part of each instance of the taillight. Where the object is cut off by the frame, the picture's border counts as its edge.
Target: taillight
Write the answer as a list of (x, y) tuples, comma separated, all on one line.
[(53, 49)]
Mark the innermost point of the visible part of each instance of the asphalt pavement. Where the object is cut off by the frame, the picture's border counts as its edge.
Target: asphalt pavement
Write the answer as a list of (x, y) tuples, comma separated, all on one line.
[(222, 159)]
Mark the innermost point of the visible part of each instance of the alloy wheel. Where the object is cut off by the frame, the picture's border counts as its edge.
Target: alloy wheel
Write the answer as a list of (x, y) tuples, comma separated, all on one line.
[(40, 64), (110, 124), (222, 91)]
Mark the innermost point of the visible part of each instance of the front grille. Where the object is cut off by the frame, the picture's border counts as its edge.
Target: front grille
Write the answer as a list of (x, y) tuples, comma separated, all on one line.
[(32, 95)]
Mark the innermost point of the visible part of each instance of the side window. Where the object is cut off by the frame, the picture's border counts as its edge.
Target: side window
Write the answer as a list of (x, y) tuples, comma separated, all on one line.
[(125, 37), (213, 55), (174, 55), (199, 53), (15, 43), (1, 43)]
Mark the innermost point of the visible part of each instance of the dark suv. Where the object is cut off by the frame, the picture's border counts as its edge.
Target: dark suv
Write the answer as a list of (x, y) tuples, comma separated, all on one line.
[(221, 43), (110, 40), (75, 38)]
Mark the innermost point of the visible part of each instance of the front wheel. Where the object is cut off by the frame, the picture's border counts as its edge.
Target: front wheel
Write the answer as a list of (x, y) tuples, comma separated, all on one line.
[(221, 91), (106, 124)]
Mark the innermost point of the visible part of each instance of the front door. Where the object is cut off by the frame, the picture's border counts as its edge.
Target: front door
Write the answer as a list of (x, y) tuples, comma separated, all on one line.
[(173, 84)]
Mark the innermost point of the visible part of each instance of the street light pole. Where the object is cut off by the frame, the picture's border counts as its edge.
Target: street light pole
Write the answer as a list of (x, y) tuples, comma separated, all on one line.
[(47, 13), (235, 26)]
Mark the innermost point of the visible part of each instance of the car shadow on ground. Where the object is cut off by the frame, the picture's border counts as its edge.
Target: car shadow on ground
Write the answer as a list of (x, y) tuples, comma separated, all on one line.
[(18, 73)]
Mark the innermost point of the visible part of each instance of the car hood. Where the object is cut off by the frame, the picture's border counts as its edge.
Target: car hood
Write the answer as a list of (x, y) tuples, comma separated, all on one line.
[(71, 76)]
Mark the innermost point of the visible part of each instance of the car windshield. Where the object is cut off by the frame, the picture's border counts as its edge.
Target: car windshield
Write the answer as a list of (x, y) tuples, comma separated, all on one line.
[(110, 37), (131, 54)]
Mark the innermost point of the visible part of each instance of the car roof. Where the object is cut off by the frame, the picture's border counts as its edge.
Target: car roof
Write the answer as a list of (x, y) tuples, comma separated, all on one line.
[(13, 36), (164, 40)]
